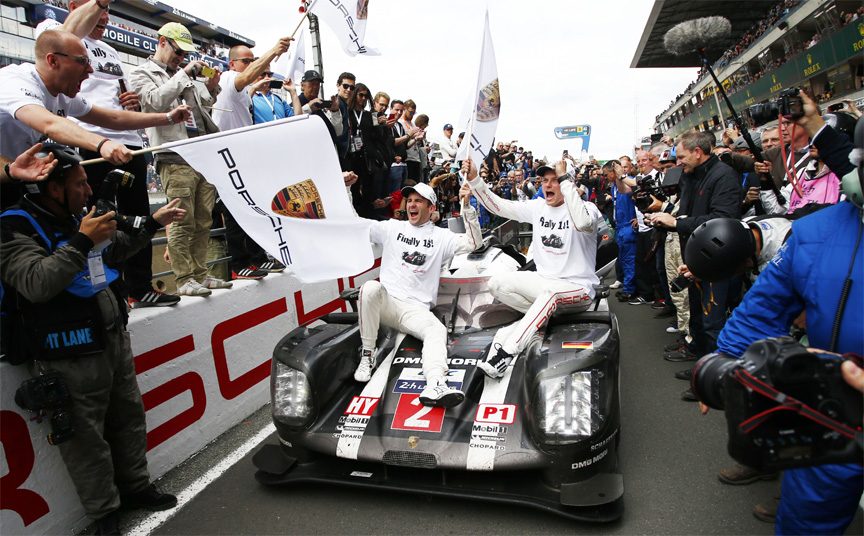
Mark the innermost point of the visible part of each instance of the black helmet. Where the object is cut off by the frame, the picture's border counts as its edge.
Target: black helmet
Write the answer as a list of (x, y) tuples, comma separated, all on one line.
[(66, 157), (717, 248), (842, 122)]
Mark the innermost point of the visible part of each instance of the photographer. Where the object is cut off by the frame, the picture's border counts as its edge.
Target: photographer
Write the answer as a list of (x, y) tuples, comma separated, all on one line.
[(808, 274), (58, 289)]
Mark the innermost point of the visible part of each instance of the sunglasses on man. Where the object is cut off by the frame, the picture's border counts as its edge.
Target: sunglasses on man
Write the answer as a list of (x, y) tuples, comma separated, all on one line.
[(83, 61), (349, 87)]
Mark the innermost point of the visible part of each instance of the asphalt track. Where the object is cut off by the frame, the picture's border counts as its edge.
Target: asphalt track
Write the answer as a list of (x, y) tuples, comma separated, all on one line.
[(670, 456)]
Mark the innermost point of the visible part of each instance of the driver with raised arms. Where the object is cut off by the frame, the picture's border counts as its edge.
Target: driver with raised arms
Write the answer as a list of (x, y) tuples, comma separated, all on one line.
[(414, 252), (564, 246)]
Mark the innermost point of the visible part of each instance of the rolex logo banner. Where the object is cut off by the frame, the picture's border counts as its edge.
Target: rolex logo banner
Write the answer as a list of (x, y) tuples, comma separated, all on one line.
[(484, 105), (283, 184)]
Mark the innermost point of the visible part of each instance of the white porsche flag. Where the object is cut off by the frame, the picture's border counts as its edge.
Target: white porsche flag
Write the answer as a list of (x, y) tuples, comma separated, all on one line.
[(294, 65), (347, 18), (283, 184), (485, 102)]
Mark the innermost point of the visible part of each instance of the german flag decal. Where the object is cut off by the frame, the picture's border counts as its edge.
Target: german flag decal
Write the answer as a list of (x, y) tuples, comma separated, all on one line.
[(577, 345)]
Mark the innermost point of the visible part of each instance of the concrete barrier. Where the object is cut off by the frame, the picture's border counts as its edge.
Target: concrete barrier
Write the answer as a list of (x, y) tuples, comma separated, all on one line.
[(202, 366)]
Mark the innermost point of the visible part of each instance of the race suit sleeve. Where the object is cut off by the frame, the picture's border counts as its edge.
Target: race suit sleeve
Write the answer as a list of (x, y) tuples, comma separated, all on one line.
[(834, 149), (768, 307), (472, 238), (34, 273), (155, 98), (725, 203), (583, 221), (512, 210)]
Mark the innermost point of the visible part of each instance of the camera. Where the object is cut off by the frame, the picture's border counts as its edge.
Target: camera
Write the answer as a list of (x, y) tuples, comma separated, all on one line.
[(679, 283), (788, 104), (785, 407), (48, 392), (275, 84), (117, 178), (647, 187)]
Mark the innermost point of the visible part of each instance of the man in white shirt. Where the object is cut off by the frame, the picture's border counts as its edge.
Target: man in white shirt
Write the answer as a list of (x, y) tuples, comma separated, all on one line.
[(447, 147), (414, 251), (35, 101), (564, 244), (108, 88)]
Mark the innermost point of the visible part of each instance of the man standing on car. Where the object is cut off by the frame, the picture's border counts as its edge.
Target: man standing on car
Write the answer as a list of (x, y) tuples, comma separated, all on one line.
[(414, 251), (564, 241)]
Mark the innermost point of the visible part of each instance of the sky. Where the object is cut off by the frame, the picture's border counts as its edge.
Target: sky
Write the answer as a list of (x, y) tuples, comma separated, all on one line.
[(560, 62)]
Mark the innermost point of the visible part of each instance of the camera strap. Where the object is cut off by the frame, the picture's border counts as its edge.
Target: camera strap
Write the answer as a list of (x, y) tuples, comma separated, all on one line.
[(786, 403)]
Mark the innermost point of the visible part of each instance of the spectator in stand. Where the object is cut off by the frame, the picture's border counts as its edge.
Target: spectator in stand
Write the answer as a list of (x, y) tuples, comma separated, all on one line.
[(401, 138), (386, 149), (345, 86), (314, 105), (770, 138), (447, 145), (364, 158), (268, 106), (161, 84), (416, 137), (421, 122)]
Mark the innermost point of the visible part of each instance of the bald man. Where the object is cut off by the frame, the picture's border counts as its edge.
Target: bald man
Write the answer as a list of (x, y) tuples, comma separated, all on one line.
[(35, 101), (245, 70)]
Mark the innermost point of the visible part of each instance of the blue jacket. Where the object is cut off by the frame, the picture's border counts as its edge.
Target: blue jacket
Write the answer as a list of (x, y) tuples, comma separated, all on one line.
[(807, 273), (625, 209)]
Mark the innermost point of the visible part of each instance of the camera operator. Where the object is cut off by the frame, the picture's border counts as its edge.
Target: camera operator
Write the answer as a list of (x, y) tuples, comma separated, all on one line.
[(66, 318), (709, 189), (808, 274)]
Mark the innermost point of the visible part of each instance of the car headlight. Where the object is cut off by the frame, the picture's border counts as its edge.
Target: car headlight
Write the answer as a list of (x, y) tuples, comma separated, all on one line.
[(291, 395), (568, 408)]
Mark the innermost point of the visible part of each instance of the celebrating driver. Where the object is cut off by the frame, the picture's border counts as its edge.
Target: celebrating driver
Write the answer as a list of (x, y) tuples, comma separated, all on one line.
[(564, 246), (414, 251)]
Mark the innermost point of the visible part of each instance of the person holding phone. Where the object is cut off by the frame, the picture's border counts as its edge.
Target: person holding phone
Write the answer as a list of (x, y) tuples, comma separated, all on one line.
[(268, 106)]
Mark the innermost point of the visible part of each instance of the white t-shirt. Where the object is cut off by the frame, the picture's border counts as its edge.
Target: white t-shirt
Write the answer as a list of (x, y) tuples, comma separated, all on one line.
[(412, 258), (239, 102), (102, 87), (559, 250), (21, 85)]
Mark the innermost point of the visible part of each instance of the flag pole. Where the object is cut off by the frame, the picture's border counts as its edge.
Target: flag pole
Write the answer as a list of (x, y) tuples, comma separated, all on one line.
[(473, 106), (305, 14), (134, 153)]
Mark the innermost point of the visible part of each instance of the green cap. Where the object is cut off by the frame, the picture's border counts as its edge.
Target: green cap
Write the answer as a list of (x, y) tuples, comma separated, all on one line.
[(179, 34)]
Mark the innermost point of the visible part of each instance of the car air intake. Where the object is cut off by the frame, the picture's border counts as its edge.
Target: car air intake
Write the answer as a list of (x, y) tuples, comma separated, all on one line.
[(420, 460)]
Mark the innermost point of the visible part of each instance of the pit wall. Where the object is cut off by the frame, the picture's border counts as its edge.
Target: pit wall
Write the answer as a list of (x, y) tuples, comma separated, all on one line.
[(203, 366)]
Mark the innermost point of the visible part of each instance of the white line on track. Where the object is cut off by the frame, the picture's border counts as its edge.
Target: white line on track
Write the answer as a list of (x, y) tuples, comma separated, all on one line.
[(150, 523)]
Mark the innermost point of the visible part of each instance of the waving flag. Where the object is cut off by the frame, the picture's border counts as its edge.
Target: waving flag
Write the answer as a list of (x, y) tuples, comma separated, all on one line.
[(484, 105), (295, 207), (294, 66), (347, 18)]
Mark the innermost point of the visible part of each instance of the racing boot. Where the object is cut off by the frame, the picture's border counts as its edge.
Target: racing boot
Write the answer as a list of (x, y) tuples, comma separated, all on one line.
[(367, 364), (496, 366), (438, 393)]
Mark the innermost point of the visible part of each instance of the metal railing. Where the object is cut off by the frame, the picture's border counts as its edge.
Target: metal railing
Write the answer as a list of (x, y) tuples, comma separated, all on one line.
[(163, 241)]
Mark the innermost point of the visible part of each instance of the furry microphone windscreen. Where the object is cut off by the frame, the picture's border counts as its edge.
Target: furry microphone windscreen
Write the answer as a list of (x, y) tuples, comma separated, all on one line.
[(692, 35)]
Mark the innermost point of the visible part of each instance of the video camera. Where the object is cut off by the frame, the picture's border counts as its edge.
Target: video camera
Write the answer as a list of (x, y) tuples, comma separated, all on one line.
[(788, 104), (48, 392), (115, 179), (785, 407)]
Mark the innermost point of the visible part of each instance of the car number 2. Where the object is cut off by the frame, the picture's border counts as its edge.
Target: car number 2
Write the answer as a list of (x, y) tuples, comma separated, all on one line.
[(411, 415)]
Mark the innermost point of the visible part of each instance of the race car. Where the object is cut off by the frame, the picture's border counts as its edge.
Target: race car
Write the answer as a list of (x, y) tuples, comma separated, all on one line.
[(545, 435)]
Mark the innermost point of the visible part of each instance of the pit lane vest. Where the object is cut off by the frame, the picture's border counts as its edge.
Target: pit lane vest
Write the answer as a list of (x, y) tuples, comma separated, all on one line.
[(68, 325)]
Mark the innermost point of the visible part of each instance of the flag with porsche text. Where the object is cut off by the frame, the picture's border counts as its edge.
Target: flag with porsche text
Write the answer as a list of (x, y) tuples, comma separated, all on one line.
[(347, 19), (484, 105), (283, 184), (293, 64)]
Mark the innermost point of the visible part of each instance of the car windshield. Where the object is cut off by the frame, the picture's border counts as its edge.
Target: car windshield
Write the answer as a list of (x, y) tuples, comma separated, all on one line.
[(476, 308)]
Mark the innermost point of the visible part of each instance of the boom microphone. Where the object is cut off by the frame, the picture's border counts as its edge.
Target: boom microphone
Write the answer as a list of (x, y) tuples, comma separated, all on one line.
[(697, 34)]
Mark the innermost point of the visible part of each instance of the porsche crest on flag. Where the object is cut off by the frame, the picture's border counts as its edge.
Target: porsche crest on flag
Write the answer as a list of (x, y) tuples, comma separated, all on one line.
[(347, 19)]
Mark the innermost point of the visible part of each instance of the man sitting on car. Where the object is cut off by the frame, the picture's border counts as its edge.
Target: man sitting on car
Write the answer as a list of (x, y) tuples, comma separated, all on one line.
[(414, 251), (564, 243)]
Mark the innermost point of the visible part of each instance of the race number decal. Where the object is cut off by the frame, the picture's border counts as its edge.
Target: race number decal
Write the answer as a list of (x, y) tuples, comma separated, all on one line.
[(412, 415), (496, 413)]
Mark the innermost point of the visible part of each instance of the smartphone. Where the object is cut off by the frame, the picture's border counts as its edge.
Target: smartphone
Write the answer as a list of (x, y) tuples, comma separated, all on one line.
[(568, 152), (209, 72), (835, 107), (325, 104), (391, 117), (276, 84)]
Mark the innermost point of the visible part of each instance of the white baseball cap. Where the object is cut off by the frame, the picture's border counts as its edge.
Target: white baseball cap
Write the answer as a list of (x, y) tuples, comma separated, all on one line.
[(423, 190)]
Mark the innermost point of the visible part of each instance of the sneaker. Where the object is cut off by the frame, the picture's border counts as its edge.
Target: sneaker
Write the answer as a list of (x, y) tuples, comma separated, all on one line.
[(672, 329), (665, 312), (767, 512), (616, 284), (273, 267), (684, 354), (249, 273), (679, 344), (496, 366), (367, 363), (624, 296), (659, 304), (193, 288), (154, 298), (149, 499), (108, 525), (689, 395), (638, 300), (741, 475), (214, 282), (438, 393), (684, 375)]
